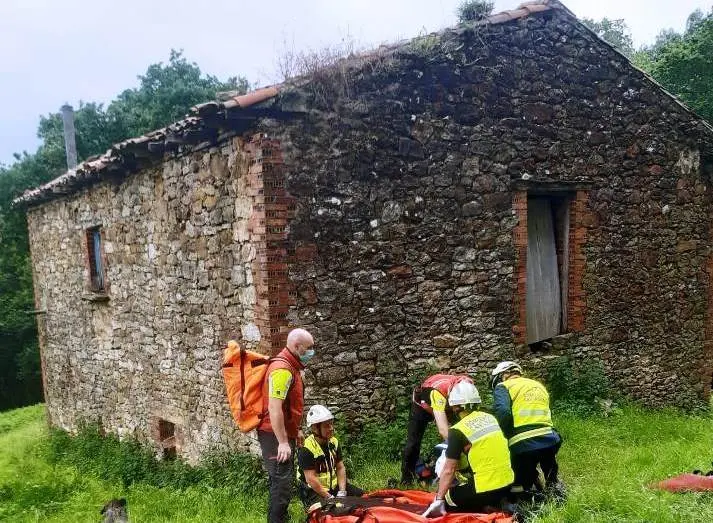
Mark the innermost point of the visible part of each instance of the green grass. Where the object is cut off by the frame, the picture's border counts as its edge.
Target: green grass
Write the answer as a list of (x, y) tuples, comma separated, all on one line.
[(606, 463)]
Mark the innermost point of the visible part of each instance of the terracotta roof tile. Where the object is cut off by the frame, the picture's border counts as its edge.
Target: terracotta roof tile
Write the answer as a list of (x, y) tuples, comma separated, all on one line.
[(525, 9), (251, 98)]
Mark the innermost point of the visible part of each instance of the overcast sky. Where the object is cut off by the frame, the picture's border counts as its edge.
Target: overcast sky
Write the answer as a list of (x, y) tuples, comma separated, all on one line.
[(57, 51)]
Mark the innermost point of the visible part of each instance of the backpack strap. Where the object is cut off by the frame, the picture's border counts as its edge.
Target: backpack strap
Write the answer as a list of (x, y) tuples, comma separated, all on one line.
[(242, 379)]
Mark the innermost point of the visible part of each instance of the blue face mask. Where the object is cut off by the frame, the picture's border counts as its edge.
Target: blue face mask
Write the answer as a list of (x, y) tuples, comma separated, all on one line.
[(308, 355)]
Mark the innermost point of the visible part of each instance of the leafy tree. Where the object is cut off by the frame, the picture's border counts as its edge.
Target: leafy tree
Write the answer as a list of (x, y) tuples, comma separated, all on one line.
[(694, 20), (473, 10), (682, 64), (19, 358), (615, 32), (165, 93)]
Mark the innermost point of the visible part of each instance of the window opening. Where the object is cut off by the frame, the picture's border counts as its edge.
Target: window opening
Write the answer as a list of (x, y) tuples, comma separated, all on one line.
[(96, 268), (167, 436)]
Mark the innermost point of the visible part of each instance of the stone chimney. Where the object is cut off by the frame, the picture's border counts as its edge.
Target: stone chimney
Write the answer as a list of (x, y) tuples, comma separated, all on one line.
[(70, 144)]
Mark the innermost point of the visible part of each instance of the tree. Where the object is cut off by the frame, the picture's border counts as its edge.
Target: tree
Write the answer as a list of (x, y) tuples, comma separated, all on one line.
[(165, 93), (694, 20), (615, 32), (473, 10), (682, 62)]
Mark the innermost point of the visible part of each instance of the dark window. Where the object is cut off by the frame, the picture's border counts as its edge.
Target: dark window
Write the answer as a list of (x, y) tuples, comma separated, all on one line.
[(96, 266), (167, 435)]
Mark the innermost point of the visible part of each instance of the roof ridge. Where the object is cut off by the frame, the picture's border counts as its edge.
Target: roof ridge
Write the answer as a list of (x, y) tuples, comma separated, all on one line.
[(158, 141)]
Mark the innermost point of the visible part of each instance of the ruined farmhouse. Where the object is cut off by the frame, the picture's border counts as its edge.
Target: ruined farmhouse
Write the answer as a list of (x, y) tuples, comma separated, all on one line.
[(513, 188)]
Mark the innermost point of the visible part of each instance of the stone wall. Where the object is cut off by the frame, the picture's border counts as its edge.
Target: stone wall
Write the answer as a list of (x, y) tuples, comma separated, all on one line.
[(407, 176), (181, 246)]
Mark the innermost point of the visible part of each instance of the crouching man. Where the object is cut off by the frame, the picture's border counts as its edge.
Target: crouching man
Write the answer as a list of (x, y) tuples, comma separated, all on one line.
[(320, 468), (522, 408), (477, 455)]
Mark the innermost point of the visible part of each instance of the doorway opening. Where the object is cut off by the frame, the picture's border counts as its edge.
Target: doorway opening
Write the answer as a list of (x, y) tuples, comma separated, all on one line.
[(548, 224)]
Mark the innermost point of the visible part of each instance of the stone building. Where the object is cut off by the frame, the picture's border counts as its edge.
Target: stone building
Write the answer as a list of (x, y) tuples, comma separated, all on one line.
[(507, 188)]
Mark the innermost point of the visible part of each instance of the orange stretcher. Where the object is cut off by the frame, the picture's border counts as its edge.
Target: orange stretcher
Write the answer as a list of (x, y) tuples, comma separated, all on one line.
[(393, 506)]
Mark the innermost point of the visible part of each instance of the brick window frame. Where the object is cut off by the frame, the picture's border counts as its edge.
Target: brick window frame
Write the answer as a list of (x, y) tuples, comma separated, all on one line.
[(575, 307)]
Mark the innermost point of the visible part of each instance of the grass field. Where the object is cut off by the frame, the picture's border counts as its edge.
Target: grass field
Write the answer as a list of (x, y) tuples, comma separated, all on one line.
[(606, 463)]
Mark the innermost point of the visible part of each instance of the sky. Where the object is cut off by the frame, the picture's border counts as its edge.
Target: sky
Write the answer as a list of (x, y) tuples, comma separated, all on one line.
[(62, 51)]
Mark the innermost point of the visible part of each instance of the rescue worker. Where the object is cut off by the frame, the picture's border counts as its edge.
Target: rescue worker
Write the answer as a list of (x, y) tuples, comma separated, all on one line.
[(320, 468), (522, 407), (429, 402), (477, 456), (279, 431)]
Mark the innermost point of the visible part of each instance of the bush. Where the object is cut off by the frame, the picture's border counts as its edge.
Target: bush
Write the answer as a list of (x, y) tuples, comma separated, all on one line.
[(474, 10), (580, 389), (128, 461)]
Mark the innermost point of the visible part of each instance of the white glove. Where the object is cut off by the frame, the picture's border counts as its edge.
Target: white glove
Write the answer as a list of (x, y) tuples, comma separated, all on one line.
[(342, 494), (435, 509)]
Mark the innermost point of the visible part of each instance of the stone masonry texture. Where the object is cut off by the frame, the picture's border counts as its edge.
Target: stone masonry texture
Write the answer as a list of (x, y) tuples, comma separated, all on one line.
[(390, 220)]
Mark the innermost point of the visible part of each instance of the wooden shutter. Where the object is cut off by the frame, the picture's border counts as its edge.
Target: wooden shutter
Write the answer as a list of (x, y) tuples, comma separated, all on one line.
[(544, 308)]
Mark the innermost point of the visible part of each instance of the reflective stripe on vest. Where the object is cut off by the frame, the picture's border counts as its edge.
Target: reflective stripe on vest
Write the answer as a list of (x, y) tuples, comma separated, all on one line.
[(517, 438), (489, 455), (530, 406), (328, 479)]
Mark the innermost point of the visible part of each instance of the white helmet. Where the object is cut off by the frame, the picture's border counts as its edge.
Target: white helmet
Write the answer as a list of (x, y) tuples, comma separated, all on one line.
[(463, 393), (318, 414), (502, 367)]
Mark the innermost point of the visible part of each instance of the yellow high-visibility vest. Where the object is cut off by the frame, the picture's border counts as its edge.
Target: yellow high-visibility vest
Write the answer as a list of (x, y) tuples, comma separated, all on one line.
[(489, 455), (530, 406), (327, 478)]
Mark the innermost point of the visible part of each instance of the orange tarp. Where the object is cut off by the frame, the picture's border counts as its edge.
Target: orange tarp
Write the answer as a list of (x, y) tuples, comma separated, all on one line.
[(686, 483)]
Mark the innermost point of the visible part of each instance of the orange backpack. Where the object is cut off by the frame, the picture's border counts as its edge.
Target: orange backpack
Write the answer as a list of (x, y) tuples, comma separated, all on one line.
[(244, 374)]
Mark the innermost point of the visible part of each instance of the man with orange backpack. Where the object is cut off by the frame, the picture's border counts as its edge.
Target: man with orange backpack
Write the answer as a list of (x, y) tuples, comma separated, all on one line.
[(430, 402), (279, 431)]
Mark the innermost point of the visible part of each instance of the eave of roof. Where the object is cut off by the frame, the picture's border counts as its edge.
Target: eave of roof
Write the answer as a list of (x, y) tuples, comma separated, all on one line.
[(122, 156)]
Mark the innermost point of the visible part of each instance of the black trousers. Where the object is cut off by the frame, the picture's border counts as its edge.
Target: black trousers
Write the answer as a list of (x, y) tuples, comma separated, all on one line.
[(309, 497), (466, 499), (418, 420), (525, 464), (280, 477)]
